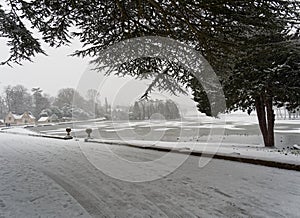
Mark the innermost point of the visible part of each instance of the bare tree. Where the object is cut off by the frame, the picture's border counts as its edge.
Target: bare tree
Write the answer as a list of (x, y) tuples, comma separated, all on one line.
[(18, 99)]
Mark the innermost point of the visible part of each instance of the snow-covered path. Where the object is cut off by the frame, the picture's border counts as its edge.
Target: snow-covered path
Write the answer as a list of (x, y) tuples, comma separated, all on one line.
[(49, 177)]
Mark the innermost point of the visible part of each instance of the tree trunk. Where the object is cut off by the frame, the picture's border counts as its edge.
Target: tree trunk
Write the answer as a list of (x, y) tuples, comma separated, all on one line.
[(261, 115), (266, 118), (270, 121)]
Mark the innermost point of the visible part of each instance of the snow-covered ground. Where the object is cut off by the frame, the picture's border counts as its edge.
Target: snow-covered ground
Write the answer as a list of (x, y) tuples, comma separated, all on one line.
[(215, 146), (18, 130), (50, 177), (42, 177), (245, 144)]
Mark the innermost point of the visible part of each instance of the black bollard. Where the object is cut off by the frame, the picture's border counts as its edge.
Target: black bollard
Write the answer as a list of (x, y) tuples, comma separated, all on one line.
[(68, 130), (88, 131)]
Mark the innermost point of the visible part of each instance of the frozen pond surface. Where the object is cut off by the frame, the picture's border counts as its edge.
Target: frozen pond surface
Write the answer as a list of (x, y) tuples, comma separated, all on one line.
[(237, 129)]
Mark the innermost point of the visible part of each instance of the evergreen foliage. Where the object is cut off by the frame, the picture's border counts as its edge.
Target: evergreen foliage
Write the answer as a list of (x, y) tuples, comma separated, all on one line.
[(253, 45)]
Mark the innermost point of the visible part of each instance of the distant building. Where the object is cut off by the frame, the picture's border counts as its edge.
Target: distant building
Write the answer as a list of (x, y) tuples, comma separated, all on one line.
[(44, 120), (52, 118), (66, 119), (16, 119)]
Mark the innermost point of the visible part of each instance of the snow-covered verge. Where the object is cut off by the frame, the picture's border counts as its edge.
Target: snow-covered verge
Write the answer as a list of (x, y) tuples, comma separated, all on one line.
[(27, 132), (291, 156), (77, 121), (18, 130), (55, 123)]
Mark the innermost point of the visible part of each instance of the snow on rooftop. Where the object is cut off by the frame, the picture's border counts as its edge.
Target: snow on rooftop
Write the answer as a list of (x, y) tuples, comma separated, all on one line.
[(17, 116), (43, 119), (31, 116)]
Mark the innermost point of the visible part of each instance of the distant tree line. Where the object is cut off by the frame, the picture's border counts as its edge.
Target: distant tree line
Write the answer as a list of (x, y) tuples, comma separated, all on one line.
[(66, 105), (283, 113), (144, 109)]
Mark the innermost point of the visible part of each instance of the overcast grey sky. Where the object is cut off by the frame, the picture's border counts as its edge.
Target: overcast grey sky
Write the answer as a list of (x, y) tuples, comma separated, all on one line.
[(52, 72), (59, 70)]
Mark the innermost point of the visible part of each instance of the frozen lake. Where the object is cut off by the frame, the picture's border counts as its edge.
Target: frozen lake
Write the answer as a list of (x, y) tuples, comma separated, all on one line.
[(234, 128)]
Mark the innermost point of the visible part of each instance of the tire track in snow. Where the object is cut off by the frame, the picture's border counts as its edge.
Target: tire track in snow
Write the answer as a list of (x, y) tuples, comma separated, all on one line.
[(22, 159), (93, 205), (233, 193)]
